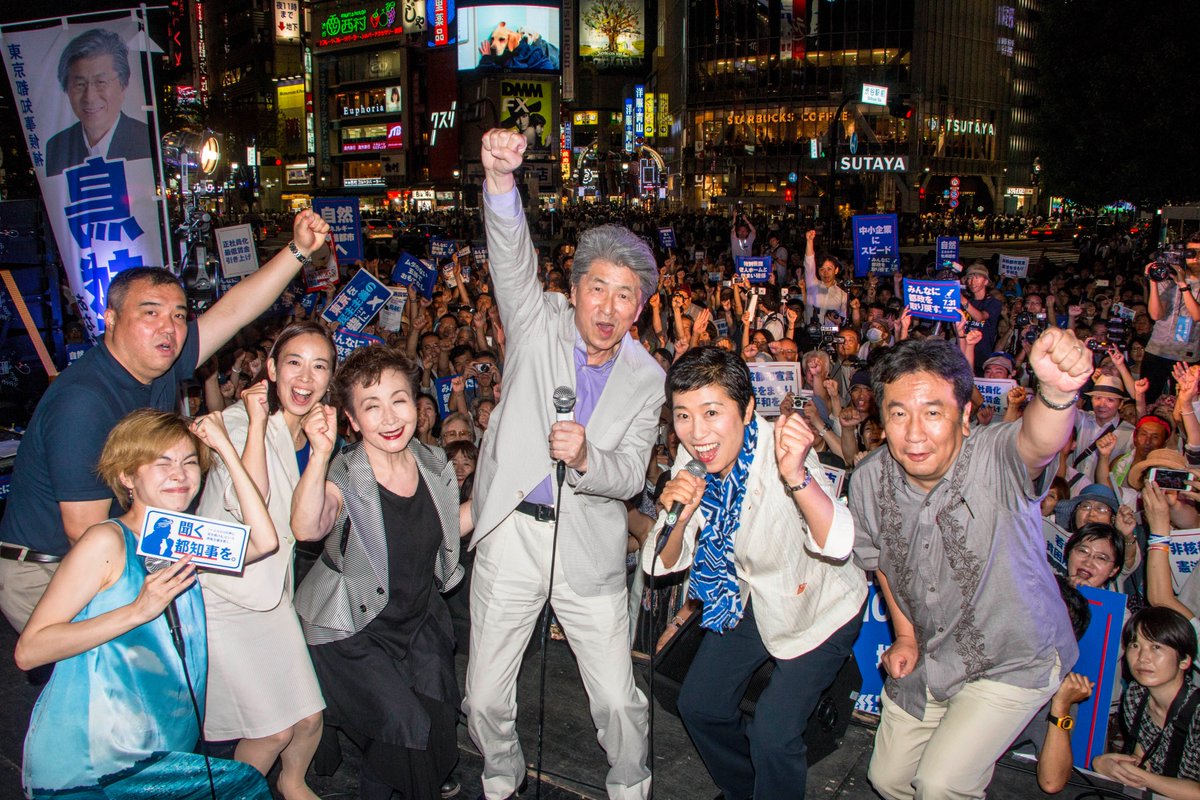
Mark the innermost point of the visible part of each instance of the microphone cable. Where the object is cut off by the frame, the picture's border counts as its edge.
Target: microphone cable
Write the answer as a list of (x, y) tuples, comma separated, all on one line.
[(548, 609), (172, 620), (564, 404)]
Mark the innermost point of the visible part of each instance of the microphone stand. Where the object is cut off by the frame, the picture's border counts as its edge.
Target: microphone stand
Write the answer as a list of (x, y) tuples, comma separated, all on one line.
[(560, 474)]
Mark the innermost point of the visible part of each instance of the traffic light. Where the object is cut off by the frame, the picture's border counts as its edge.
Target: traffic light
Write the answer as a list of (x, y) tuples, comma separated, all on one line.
[(789, 195), (901, 107)]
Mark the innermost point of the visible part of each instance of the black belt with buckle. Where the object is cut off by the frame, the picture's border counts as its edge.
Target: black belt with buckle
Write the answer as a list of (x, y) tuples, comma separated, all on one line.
[(539, 512), (14, 553)]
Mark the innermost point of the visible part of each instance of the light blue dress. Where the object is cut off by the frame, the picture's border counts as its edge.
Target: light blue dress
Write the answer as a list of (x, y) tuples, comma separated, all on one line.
[(117, 721)]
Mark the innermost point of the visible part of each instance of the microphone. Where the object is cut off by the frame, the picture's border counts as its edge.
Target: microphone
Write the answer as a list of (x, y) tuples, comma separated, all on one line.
[(158, 565), (564, 404), (697, 468)]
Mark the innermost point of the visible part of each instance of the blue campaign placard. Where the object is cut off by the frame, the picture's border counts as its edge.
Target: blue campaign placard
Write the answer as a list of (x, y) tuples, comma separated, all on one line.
[(442, 392), (212, 543), (756, 269), (479, 253), (442, 248), (947, 249), (347, 342), (76, 351), (876, 244), (412, 271), (344, 225), (666, 237), (1099, 650), (874, 638), (940, 300), (358, 302)]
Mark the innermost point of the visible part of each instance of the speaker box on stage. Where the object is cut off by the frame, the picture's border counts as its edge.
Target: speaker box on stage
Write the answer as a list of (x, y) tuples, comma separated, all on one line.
[(826, 726)]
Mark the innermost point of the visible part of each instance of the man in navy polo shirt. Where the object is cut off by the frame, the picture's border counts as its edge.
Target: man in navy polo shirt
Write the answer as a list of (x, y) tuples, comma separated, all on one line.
[(147, 349)]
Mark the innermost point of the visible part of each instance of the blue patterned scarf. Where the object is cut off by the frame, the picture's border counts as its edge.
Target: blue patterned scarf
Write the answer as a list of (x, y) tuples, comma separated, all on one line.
[(714, 576)]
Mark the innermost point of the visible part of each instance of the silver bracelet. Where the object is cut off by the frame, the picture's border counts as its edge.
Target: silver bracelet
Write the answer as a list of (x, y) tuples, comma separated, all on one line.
[(801, 486), (304, 260), (1056, 406)]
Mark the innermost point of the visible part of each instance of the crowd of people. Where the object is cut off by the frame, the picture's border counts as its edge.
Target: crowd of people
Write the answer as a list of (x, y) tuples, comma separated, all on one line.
[(424, 494)]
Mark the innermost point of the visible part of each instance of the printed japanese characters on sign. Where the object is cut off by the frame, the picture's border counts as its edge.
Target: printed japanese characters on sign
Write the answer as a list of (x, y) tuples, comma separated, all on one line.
[(876, 244), (995, 393), (344, 225), (939, 300), (212, 543), (756, 269), (412, 271), (947, 249), (666, 237), (347, 342), (772, 380), (442, 248), (1014, 266), (1056, 545), (1185, 551), (392, 315), (443, 391), (90, 158), (236, 248), (358, 302)]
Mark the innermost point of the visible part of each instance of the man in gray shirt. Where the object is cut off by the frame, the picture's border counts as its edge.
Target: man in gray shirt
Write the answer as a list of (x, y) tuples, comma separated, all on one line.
[(948, 519)]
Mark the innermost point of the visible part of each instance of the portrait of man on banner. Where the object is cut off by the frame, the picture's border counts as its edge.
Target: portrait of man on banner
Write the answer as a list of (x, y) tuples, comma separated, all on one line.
[(93, 72)]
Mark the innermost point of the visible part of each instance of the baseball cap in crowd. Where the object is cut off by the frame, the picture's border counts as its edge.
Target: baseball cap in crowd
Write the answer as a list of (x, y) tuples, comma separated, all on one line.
[(1109, 385), (1164, 457), (1096, 492), (861, 378), (1000, 359)]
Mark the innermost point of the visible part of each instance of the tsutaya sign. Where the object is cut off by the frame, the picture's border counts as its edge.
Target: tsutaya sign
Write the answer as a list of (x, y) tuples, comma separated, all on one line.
[(872, 164), (961, 126)]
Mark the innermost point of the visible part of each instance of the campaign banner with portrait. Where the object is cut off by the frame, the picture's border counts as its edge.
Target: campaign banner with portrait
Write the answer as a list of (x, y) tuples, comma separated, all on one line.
[(527, 107), (85, 102), (509, 37), (612, 33)]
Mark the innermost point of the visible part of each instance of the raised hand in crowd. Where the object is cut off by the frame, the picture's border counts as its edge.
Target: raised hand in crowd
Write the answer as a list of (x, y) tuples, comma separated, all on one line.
[(1016, 403)]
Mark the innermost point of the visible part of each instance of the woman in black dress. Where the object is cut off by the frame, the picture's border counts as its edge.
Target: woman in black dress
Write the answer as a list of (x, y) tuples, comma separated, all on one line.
[(377, 628)]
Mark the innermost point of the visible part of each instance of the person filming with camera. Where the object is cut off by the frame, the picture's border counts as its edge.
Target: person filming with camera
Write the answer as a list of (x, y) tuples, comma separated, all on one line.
[(1174, 286)]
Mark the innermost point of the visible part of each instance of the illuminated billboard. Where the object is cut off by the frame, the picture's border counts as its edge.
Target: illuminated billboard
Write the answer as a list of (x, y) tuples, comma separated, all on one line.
[(509, 38), (612, 33), (369, 22), (527, 107)]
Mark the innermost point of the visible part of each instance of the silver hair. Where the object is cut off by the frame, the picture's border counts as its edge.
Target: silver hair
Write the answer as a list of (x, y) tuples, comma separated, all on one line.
[(95, 42), (619, 246)]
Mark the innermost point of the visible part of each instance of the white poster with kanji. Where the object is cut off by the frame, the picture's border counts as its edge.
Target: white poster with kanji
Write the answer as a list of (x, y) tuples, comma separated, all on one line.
[(86, 110)]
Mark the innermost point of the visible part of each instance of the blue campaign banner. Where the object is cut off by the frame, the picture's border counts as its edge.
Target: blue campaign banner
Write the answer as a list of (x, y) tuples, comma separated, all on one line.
[(358, 302), (347, 342), (874, 638), (442, 392), (1099, 650), (310, 301), (212, 543), (479, 253), (442, 248), (756, 269), (412, 271), (940, 300), (947, 250), (876, 244), (666, 237), (344, 225)]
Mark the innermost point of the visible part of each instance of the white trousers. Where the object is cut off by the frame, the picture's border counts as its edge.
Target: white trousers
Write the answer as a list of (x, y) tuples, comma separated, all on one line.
[(508, 589), (952, 752)]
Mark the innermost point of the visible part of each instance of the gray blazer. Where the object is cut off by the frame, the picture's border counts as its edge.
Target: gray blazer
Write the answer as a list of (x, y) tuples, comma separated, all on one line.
[(344, 592), (514, 457)]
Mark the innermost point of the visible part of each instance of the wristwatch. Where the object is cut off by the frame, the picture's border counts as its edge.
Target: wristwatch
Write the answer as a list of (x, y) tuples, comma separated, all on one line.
[(304, 260), (1066, 722)]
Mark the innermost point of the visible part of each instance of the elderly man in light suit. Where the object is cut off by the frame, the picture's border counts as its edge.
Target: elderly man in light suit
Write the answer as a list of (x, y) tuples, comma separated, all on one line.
[(584, 345)]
